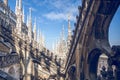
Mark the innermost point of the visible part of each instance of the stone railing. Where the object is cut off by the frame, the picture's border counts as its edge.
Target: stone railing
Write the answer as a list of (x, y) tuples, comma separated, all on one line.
[(8, 60)]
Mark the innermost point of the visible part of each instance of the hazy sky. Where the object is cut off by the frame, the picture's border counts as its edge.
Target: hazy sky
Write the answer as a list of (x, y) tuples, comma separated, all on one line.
[(52, 15)]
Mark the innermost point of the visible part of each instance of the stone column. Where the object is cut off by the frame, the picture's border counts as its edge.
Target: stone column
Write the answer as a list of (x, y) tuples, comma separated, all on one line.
[(28, 63), (77, 53)]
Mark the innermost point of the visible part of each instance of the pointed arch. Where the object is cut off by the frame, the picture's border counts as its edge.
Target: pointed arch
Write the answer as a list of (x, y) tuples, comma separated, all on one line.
[(93, 58)]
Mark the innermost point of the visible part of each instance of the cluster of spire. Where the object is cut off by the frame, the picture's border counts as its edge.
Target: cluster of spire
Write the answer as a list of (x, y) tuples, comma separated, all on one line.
[(69, 32), (19, 11), (58, 45), (61, 46)]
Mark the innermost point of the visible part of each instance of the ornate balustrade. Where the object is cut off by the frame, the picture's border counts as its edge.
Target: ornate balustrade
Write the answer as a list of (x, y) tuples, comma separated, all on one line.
[(8, 60)]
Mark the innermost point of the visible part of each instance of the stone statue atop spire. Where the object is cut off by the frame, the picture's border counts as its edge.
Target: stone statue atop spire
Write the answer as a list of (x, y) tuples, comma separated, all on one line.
[(20, 5), (23, 16), (30, 24), (6, 2), (30, 15), (27, 22), (63, 36), (19, 14), (69, 32), (41, 41), (35, 33), (16, 7)]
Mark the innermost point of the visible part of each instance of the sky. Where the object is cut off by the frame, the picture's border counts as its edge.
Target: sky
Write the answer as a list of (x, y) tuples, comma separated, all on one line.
[(53, 14), (114, 29)]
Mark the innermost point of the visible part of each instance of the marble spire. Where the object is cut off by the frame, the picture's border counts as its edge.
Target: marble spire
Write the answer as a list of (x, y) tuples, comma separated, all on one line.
[(30, 24), (35, 33), (69, 31)]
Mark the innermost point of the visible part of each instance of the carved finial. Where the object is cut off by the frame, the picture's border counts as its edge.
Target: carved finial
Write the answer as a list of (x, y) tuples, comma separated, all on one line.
[(23, 15), (16, 7), (69, 16), (20, 4), (30, 13), (30, 25), (63, 33), (35, 33), (6, 2), (69, 31)]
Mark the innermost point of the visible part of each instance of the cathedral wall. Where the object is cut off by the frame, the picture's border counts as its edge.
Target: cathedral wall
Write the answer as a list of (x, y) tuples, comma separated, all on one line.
[(12, 70)]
